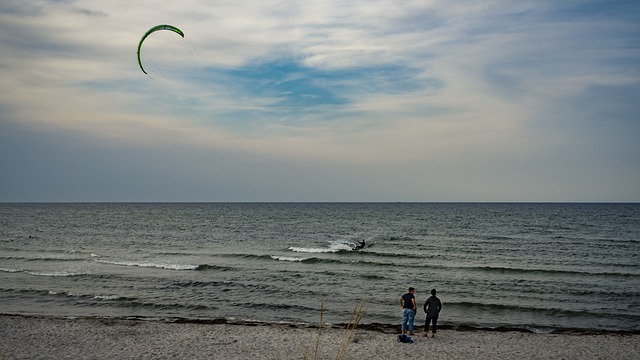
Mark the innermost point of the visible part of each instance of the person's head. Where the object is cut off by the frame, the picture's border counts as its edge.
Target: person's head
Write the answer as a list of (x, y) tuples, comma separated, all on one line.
[(412, 290), (433, 292)]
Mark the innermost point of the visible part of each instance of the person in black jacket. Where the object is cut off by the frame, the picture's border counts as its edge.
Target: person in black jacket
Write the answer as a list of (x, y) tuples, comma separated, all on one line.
[(432, 307)]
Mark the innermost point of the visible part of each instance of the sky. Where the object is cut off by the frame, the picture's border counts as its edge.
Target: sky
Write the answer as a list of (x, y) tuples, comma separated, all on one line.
[(328, 100)]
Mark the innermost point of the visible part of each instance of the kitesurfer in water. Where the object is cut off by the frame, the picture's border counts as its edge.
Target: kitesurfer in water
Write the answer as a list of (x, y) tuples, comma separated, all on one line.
[(361, 244)]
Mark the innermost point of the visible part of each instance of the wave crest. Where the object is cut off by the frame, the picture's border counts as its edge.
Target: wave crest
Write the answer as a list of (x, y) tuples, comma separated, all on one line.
[(146, 264), (333, 248), (288, 258)]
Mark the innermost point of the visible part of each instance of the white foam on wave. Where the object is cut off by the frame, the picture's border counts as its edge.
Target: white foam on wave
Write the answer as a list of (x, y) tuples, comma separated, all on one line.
[(145, 264), (287, 258), (53, 274), (333, 248), (340, 246), (63, 293), (107, 297), (311, 250), (42, 273)]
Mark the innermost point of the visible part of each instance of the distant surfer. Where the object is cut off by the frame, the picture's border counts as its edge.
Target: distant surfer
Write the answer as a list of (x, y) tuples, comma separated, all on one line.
[(361, 244)]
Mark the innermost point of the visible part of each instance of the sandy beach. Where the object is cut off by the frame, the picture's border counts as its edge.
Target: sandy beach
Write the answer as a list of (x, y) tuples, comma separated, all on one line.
[(43, 337)]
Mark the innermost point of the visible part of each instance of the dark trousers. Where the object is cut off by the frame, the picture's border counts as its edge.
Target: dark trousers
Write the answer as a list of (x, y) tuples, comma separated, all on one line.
[(434, 321)]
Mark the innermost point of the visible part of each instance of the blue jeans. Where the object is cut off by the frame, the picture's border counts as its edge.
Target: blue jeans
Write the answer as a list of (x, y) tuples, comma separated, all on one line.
[(407, 319)]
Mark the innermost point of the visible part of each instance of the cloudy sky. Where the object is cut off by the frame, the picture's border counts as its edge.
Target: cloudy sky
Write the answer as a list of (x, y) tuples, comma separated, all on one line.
[(327, 100)]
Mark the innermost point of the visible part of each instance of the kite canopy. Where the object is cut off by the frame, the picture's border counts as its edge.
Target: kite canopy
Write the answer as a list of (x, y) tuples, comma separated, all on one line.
[(151, 31)]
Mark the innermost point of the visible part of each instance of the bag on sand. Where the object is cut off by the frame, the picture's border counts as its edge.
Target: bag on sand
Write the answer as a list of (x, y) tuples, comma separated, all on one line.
[(404, 339)]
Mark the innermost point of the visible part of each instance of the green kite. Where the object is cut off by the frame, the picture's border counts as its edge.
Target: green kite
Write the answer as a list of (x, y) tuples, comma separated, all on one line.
[(152, 30)]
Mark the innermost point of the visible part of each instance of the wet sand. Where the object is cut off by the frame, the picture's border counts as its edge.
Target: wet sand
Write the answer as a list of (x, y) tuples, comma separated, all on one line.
[(60, 338)]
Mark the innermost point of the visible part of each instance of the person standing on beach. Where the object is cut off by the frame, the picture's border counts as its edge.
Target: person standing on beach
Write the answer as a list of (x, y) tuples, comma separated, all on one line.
[(432, 307), (409, 308)]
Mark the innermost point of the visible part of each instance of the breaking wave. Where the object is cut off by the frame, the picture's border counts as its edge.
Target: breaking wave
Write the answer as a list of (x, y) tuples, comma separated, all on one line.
[(151, 264)]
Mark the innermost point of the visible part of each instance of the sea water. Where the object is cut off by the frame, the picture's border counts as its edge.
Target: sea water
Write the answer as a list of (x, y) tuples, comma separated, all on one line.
[(538, 266)]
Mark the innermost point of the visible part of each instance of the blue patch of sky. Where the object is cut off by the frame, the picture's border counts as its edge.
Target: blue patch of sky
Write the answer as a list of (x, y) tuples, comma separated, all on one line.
[(284, 90), (558, 12), (295, 94), (597, 8), (576, 11), (292, 84)]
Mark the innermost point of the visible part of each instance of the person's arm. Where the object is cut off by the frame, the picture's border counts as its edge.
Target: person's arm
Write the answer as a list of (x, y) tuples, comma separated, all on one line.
[(415, 307), (439, 305), (401, 307), (426, 303)]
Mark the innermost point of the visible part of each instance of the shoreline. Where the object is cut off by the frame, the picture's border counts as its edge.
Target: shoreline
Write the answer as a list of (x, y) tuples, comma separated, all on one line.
[(374, 327), (106, 338)]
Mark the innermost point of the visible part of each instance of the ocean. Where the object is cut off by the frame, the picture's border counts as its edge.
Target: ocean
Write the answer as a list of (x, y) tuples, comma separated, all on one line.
[(537, 266)]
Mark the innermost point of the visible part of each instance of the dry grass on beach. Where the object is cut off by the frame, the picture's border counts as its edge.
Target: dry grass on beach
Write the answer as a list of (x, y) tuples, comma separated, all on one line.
[(41, 337)]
